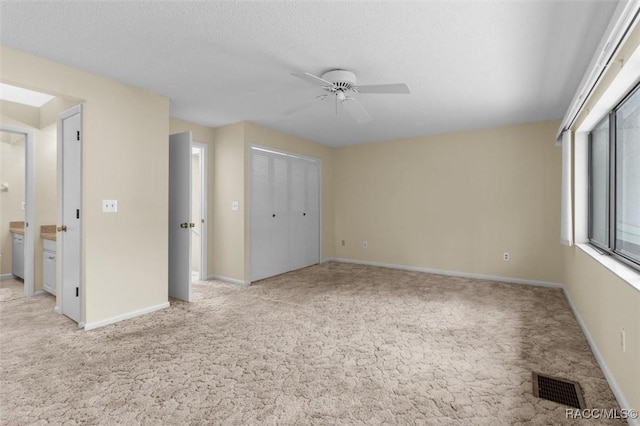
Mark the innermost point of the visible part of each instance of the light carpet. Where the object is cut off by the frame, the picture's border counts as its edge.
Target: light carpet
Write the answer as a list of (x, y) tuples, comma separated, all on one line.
[(330, 344)]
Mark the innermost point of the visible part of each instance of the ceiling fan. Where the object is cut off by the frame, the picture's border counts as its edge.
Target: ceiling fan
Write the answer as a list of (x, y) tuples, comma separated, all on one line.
[(340, 86)]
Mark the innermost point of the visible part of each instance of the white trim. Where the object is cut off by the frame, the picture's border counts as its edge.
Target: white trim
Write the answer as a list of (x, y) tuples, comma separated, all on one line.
[(626, 79), (4, 277), (566, 215), (128, 315), (622, 271), (581, 187), (227, 280), (446, 272), (617, 32), (56, 309), (603, 365)]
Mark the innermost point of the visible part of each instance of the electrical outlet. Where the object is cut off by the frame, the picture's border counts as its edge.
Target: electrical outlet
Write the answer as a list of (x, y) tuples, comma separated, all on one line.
[(343, 243), (109, 206), (623, 340), (505, 256), (365, 244)]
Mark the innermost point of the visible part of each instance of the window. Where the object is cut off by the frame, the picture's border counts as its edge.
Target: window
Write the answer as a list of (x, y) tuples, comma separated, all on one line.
[(614, 182)]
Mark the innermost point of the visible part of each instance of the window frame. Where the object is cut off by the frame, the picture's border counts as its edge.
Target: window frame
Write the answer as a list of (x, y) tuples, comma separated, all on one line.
[(611, 221)]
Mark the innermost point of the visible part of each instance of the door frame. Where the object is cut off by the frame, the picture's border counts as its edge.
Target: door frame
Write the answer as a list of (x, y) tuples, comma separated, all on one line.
[(203, 207), (249, 194), (60, 182), (30, 208)]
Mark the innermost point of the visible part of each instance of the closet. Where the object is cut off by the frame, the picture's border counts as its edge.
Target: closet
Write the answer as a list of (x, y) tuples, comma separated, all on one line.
[(285, 212)]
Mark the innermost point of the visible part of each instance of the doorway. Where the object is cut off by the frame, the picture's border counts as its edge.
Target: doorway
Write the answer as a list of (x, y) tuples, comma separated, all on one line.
[(199, 211), (17, 188)]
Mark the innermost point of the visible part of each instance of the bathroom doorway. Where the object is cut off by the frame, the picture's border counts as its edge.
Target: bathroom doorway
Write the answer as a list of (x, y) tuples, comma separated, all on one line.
[(16, 212), (199, 211)]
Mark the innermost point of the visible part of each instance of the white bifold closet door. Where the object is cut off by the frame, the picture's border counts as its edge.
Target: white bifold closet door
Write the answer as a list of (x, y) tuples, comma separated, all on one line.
[(285, 213)]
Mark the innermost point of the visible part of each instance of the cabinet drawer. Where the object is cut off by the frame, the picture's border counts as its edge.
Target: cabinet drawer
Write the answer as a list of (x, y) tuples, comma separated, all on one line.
[(49, 245)]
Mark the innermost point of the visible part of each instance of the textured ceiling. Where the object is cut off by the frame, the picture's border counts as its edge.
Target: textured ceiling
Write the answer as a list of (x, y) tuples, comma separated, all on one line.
[(469, 64)]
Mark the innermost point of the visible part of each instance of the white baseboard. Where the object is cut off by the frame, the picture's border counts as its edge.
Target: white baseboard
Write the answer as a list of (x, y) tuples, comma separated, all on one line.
[(448, 273), (6, 277), (228, 280), (128, 315), (603, 365)]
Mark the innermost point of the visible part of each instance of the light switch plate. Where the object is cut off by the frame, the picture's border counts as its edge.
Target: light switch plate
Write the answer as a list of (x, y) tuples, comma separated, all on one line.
[(235, 206), (109, 206)]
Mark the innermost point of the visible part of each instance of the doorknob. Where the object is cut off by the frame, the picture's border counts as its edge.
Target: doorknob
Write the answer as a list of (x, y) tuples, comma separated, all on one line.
[(192, 225), (184, 225), (62, 228)]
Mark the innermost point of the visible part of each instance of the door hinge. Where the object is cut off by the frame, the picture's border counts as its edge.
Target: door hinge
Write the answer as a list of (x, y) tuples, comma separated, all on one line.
[(78, 135), (77, 213), (77, 291)]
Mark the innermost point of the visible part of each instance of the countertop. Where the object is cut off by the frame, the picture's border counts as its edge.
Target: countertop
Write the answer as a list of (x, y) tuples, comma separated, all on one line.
[(16, 227), (48, 232)]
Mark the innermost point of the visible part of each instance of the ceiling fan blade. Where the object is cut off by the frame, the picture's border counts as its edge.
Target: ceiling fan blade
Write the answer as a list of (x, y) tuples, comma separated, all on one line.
[(312, 79), (399, 88), (356, 110)]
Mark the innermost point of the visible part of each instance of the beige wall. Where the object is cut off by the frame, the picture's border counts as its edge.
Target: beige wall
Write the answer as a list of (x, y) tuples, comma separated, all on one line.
[(605, 302), (26, 115), (123, 127), (454, 202), (46, 164), (12, 172)]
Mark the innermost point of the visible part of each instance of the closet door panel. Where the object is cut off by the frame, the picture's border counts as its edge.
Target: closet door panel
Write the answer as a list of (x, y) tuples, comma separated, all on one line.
[(261, 220), (280, 215), (299, 215), (312, 218), (285, 214)]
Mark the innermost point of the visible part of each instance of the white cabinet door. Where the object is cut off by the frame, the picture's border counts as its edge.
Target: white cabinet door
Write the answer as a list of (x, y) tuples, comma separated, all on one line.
[(17, 262), (49, 271)]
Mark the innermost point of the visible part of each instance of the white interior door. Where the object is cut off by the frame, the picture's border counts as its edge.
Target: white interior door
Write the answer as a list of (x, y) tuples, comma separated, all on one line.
[(70, 189), (180, 223)]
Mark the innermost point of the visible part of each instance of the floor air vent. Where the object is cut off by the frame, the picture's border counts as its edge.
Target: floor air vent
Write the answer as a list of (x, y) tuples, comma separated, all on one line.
[(558, 390)]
